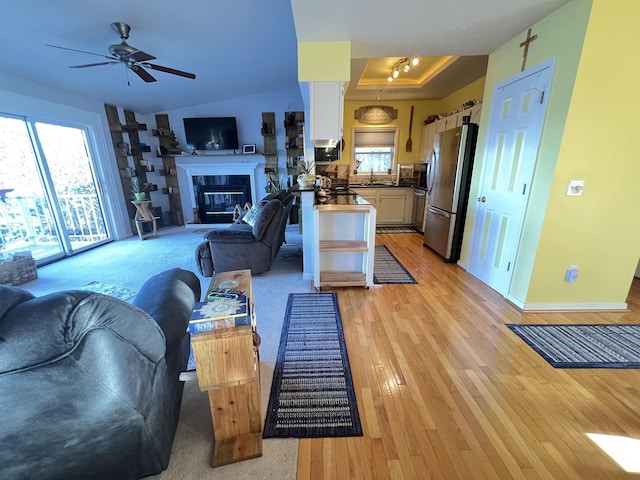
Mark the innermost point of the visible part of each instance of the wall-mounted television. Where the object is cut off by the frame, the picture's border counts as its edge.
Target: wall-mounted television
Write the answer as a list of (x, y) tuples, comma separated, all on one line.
[(211, 133)]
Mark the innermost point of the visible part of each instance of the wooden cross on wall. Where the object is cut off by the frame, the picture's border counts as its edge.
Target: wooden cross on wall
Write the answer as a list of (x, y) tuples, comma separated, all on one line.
[(525, 44)]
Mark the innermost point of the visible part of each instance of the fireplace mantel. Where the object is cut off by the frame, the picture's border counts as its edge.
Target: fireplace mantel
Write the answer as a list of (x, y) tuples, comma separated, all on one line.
[(217, 165)]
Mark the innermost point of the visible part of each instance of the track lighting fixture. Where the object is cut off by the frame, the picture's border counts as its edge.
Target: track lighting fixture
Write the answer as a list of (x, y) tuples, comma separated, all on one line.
[(405, 64)]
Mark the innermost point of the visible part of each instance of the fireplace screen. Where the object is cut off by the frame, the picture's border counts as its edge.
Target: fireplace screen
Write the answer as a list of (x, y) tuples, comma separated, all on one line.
[(218, 195)]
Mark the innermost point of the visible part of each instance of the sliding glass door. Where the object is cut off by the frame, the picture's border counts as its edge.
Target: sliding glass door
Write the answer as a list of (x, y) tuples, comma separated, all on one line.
[(49, 200)]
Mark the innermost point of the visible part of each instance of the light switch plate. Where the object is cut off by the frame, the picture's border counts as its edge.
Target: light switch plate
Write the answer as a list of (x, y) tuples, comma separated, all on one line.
[(575, 188)]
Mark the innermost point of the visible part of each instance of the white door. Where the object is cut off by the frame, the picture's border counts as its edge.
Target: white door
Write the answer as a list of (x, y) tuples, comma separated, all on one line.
[(515, 125)]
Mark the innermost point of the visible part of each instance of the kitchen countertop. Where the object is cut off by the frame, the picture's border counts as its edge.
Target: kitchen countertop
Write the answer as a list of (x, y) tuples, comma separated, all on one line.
[(332, 202), (379, 185)]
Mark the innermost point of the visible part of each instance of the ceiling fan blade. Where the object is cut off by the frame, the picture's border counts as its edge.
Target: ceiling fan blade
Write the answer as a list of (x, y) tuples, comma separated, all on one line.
[(82, 51), (173, 71), (93, 64), (142, 73), (141, 56)]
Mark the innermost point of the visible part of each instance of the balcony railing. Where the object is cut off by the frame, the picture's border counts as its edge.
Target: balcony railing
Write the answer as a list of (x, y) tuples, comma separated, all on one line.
[(26, 223)]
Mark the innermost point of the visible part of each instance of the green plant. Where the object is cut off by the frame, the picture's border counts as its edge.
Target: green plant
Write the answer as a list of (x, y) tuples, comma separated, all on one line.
[(273, 185), (137, 186), (305, 167)]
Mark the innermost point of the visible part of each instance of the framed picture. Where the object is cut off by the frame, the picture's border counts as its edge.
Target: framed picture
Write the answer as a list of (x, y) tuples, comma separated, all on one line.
[(248, 148)]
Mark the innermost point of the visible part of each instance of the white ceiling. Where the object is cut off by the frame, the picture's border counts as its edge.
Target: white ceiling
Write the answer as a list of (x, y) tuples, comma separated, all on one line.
[(242, 47)]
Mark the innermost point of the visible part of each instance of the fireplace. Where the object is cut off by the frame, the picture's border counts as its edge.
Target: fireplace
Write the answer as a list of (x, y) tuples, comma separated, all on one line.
[(213, 186), (217, 196)]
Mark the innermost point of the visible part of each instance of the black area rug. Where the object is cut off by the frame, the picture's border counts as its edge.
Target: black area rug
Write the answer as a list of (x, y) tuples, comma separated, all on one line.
[(312, 392), (387, 268), (387, 230), (584, 346)]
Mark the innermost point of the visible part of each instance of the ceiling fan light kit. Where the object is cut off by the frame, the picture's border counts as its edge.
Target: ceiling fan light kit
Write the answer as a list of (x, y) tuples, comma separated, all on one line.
[(132, 58)]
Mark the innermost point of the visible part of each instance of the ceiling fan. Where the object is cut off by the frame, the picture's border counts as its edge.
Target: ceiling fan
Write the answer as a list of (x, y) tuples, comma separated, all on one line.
[(132, 58)]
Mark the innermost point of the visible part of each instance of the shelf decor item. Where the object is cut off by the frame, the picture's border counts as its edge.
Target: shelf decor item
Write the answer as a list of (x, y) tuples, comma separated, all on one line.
[(139, 189), (306, 178)]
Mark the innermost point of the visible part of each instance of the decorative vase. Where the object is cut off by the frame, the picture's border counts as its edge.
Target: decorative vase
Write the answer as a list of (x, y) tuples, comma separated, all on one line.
[(306, 180), (140, 196)]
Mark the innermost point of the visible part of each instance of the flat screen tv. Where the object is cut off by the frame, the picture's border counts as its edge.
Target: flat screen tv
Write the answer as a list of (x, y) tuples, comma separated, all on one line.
[(212, 133)]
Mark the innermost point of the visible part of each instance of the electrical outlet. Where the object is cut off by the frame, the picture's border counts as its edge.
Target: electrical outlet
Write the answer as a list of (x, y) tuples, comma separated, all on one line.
[(572, 274), (575, 188)]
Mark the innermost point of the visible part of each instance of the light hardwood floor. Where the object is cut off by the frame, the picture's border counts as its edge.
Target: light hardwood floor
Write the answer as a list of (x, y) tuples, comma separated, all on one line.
[(446, 391)]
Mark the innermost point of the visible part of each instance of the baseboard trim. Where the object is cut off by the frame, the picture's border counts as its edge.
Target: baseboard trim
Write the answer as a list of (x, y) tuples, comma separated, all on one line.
[(568, 307)]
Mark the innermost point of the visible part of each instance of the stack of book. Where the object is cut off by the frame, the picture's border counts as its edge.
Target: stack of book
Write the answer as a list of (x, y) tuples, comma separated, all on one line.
[(221, 310)]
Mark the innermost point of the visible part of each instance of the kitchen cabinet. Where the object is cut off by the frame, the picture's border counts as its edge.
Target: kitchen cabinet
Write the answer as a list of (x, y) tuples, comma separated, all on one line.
[(473, 113), (452, 121), (441, 125), (326, 112), (427, 137), (391, 208), (394, 205), (446, 123), (369, 194), (344, 242)]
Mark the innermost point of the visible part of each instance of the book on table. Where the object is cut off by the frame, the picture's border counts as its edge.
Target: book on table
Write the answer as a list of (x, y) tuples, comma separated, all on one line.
[(220, 313)]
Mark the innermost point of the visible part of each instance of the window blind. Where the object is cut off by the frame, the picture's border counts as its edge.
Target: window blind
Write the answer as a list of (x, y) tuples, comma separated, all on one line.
[(374, 138)]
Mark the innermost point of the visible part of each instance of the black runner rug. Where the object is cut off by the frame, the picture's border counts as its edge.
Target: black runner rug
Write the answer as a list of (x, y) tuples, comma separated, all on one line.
[(584, 346), (312, 393), (387, 268)]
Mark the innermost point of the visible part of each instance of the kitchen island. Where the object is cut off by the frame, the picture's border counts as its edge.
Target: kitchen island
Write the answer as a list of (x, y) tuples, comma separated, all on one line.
[(344, 228), (394, 203)]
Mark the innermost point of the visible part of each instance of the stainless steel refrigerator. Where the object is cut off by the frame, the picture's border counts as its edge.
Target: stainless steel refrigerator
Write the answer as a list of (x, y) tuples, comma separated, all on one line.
[(448, 178)]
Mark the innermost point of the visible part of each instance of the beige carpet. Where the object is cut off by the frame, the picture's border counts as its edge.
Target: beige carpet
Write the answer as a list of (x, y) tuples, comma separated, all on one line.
[(129, 262), (193, 445)]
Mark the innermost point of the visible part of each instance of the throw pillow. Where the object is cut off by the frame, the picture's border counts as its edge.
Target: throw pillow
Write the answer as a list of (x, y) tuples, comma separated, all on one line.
[(264, 217), (250, 217)]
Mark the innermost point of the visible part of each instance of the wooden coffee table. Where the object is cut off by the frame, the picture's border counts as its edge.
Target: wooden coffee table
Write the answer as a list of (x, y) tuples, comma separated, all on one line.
[(227, 367)]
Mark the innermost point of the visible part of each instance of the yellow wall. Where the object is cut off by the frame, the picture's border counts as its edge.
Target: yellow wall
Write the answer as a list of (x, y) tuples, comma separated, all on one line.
[(599, 231), (324, 61), (473, 91), (588, 130), (560, 35), (422, 109)]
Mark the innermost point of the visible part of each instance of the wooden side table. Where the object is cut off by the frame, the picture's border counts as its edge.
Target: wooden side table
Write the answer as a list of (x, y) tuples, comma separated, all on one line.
[(143, 214), (228, 369)]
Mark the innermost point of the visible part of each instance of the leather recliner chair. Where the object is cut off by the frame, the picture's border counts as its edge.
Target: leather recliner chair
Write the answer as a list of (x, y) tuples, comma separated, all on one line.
[(89, 384), (243, 246)]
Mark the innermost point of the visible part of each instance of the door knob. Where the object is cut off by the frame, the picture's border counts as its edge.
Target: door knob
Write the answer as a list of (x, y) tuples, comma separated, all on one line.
[(482, 199)]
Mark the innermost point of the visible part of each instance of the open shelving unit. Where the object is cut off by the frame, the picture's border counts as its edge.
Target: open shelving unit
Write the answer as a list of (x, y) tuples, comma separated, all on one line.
[(129, 154), (294, 138), (344, 245), (268, 131), (168, 152)]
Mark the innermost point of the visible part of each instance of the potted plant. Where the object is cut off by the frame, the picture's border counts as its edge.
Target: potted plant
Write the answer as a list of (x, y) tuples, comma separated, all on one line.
[(305, 176), (138, 188), (273, 185)]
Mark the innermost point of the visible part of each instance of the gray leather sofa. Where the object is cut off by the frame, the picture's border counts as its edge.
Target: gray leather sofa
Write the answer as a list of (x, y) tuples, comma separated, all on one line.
[(89, 384), (243, 246)]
